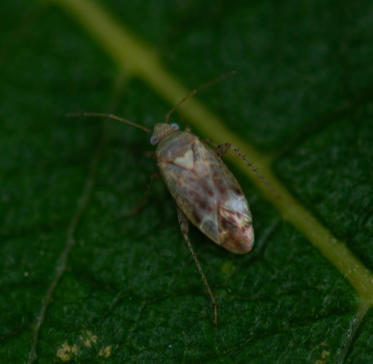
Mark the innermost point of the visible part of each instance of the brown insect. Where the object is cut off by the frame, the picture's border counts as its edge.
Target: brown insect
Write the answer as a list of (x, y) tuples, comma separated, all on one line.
[(206, 192)]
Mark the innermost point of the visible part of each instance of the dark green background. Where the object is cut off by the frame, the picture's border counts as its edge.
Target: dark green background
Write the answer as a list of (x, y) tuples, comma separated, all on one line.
[(303, 94)]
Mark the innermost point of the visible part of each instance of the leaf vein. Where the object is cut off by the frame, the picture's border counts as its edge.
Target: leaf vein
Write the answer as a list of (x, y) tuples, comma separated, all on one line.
[(62, 259)]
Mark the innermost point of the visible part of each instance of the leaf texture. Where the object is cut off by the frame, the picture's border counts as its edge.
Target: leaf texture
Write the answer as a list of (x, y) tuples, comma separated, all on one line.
[(83, 282)]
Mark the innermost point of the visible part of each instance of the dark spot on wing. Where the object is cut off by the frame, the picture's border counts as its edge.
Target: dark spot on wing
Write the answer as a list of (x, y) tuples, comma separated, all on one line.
[(209, 191), (202, 203), (226, 224), (196, 217), (222, 189), (236, 190)]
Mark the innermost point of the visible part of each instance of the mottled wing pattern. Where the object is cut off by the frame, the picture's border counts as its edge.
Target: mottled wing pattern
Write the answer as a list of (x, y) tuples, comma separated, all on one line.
[(206, 191)]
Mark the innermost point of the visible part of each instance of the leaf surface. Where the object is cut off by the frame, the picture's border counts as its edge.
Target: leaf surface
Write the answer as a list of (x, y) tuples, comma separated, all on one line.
[(82, 282)]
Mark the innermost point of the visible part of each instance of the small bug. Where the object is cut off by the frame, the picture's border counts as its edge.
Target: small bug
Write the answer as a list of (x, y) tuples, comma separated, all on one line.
[(206, 193)]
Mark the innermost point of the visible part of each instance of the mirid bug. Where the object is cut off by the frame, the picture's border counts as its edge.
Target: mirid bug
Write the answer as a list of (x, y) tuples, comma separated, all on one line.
[(206, 193)]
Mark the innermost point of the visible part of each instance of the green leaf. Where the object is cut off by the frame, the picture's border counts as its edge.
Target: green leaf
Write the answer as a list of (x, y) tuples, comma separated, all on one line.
[(83, 282)]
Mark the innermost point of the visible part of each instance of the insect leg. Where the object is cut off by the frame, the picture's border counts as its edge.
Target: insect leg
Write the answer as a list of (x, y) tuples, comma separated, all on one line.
[(144, 197), (250, 165), (221, 149), (255, 170), (184, 227)]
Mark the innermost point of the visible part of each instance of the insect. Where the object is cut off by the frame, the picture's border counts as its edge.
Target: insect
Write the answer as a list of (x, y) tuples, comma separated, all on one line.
[(205, 191)]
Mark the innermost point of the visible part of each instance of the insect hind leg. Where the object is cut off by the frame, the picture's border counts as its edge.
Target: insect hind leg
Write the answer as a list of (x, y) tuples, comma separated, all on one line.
[(184, 227), (255, 170), (222, 149)]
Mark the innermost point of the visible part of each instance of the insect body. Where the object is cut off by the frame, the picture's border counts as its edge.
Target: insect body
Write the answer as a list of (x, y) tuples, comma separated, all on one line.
[(204, 189)]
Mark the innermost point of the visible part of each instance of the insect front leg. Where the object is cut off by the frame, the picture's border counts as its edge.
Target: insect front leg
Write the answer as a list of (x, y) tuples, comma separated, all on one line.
[(184, 227), (144, 197)]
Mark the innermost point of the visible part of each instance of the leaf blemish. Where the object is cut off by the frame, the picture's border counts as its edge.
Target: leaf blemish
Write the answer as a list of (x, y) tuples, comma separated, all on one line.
[(66, 352)]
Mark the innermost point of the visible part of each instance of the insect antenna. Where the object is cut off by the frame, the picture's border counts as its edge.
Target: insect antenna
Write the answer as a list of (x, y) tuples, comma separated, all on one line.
[(109, 116), (194, 91)]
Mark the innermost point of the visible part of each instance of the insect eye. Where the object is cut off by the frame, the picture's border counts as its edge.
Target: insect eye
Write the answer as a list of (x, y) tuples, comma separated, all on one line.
[(175, 126), (153, 140)]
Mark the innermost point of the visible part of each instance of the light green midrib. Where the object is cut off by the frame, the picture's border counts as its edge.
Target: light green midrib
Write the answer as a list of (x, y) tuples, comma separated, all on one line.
[(131, 55)]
